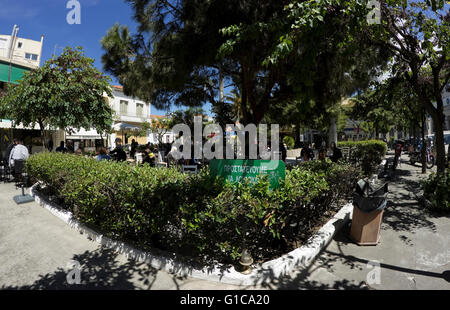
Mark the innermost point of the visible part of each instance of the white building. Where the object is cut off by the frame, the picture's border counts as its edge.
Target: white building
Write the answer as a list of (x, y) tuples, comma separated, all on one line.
[(167, 135), (129, 110), (18, 55), (446, 98), (446, 101)]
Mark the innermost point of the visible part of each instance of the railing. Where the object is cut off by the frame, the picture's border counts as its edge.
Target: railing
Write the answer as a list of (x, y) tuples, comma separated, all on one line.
[(142, 117)]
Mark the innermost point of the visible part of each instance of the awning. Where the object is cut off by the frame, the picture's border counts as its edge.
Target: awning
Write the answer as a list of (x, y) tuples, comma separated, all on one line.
[(17, 72), (85, 135)]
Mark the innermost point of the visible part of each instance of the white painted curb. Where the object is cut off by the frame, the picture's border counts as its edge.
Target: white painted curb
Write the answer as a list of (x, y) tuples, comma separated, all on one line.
[(264, 273)]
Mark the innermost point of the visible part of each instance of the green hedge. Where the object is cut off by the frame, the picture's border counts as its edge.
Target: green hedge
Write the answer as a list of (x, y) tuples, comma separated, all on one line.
[(366, 154), (437, 190), (195, 215)]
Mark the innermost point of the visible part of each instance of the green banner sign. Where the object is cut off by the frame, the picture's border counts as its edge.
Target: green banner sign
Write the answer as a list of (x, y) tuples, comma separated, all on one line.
[(236, 170)]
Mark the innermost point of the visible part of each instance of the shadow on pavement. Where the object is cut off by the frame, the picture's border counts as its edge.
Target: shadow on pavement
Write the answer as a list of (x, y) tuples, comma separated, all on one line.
[(352, 260), (100, 269)]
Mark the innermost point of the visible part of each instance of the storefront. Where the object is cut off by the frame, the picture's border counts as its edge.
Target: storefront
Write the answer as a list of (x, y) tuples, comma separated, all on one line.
[(31, 138), (88, 140)]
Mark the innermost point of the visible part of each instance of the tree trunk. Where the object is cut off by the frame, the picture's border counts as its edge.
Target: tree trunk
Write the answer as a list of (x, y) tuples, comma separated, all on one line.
[(437, 115), (333, 132), (424, 145), (44, 141), (440, 147), (297, 135)]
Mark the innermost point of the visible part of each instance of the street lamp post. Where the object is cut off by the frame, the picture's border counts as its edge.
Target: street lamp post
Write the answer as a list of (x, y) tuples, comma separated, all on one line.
[(11, 50)]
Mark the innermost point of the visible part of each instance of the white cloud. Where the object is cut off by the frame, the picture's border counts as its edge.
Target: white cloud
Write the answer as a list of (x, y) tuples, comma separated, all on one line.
[(13, 10)]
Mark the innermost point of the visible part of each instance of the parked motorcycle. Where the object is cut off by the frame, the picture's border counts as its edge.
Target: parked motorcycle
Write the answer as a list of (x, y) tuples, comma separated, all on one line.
[(416, 156)]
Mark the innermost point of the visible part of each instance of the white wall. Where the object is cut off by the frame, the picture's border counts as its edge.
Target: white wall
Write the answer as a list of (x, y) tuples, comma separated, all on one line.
[(131, 115), (18, 56)]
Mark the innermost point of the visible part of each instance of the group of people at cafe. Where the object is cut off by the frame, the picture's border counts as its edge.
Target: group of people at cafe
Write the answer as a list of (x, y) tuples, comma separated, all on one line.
[(307, 153), (118, 153)]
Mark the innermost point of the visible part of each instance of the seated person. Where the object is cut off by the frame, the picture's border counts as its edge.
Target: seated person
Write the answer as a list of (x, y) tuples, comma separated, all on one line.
[(323, 154), (149, 157), (79, 151), (61, 148), (307, 153), (119, 153), (102, 154), (337, 154)]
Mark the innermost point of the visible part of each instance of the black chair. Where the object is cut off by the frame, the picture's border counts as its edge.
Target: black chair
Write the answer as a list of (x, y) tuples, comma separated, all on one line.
[(5, 171), (19, 172), (2, 170)]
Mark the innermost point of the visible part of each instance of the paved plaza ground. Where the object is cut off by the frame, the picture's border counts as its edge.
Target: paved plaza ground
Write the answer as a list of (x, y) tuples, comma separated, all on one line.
[(414, 252)]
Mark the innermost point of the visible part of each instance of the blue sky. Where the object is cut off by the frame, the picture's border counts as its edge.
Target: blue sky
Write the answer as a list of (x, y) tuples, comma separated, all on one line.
[(48, 17)]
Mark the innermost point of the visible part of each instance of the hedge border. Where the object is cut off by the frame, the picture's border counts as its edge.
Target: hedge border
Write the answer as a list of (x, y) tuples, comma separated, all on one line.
[(267, 272)]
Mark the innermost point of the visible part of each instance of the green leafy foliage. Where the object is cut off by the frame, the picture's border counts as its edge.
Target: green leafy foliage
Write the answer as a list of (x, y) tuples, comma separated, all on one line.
[(366, 154), (67, 92), (437, 190), (195, 215), (289, 141)]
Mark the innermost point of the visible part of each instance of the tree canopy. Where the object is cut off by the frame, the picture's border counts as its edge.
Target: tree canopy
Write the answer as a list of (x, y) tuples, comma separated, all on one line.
[(181, 46), (67, 92)]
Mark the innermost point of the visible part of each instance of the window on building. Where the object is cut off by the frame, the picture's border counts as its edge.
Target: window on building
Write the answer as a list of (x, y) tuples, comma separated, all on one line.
[(31, 56), (139, 109), (19, 45), (123, 107), (3, 43)]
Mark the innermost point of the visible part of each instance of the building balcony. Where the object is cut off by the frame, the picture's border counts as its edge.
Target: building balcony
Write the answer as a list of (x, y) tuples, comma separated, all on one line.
[(131, 117)]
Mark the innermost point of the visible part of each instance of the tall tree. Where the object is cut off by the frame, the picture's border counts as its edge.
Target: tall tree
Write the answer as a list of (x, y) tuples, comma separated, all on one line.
[(416, 33), (179, 51), (67, 92), (181, 47)]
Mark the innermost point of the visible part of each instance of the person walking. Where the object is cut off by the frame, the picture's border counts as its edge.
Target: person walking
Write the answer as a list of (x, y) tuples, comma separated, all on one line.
[(398, 153)]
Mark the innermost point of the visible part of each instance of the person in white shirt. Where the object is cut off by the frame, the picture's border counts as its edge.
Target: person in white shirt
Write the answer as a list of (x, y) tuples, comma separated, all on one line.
[(18, 152)]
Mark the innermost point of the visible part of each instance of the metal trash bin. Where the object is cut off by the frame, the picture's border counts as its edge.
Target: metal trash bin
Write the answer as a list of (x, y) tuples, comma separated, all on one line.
[(368, 208)]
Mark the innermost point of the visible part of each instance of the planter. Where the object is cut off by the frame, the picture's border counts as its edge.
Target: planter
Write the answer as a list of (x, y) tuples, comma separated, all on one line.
[(262, 273)]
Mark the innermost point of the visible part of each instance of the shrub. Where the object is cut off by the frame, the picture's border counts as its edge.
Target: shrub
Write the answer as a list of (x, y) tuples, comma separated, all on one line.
[(437, 190), (366, 154), (289, 141), (342, 177), (196, 215)]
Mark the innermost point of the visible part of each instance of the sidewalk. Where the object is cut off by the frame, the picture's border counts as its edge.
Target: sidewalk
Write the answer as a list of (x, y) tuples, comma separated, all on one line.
[(414, 252)]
